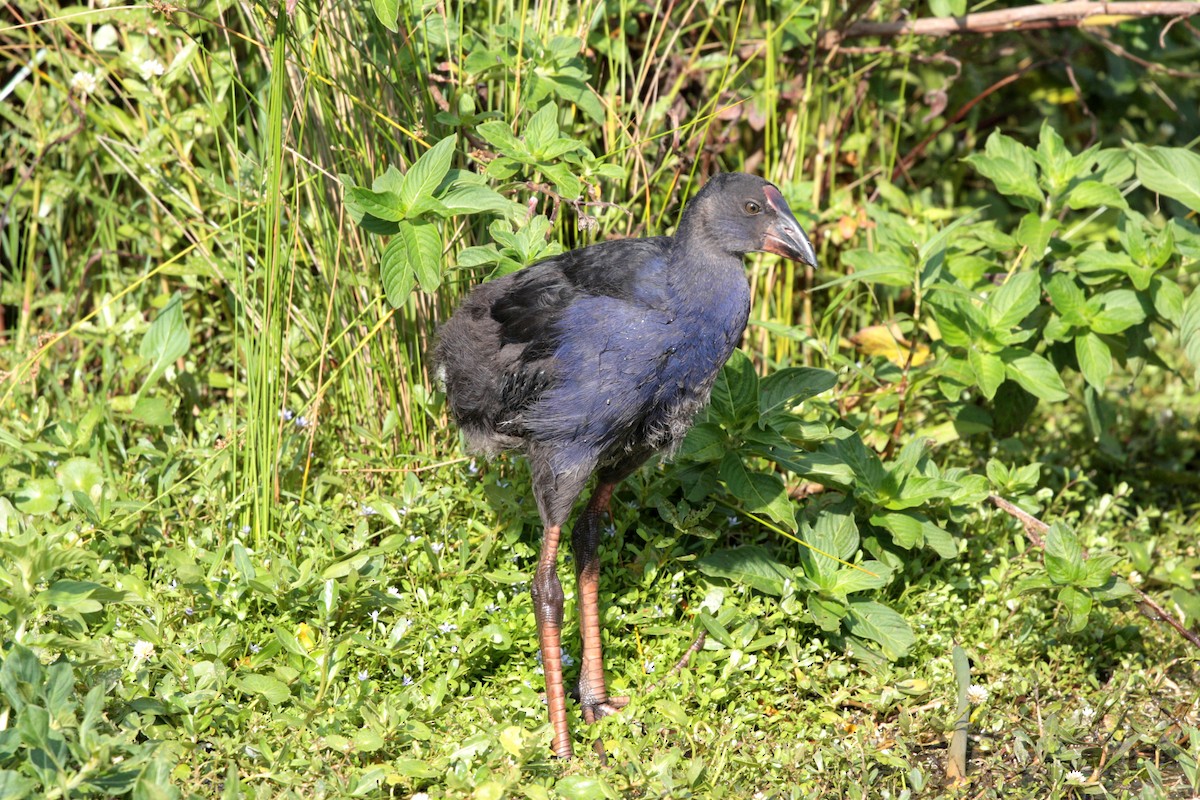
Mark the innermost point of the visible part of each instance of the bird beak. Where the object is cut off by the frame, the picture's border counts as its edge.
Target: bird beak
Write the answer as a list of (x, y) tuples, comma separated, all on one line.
[(785, 237)]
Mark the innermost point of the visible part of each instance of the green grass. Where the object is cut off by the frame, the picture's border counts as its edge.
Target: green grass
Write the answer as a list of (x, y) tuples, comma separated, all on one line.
[(243, 555)]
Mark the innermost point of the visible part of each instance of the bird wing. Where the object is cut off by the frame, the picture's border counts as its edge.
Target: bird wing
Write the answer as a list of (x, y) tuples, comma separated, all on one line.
[(533, 310)]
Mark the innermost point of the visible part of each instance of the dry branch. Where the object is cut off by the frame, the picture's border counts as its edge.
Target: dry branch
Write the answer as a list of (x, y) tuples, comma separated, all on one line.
[(1053, 15)]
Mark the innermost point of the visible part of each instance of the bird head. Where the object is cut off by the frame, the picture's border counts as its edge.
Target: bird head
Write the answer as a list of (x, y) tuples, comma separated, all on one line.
[(740, 213)]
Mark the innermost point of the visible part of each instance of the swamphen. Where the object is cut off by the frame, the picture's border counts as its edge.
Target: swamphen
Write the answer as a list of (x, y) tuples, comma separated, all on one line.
[(594, 360)]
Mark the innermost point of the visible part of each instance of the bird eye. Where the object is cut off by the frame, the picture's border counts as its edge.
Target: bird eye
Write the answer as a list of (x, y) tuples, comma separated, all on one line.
[(752, 207)]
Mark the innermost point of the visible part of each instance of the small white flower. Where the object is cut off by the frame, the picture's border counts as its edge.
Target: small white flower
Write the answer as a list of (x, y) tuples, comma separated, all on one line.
[(976, 694), (83, 83), (436, 547), (446, 627), (649, 667), (153, 68), (1135, 578), (103, 3), (1087, 713), (406, 681), (1076, 778), (142, 650), (420, 796), (363, 675), (566, 659)]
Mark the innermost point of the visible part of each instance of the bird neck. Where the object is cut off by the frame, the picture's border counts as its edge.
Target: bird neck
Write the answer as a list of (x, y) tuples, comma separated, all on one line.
[(708, 286)]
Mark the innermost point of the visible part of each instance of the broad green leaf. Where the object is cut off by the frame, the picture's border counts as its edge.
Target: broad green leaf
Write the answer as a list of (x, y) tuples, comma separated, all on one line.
[(791, 386), (1034, 233), (584, 787), (1078, 603), (1094, 194), (988, 369), (37, 497), (1034, 373), (1067, 297), (1009, 305), (716, 630), (880, 624), (81, 475), (273, 690), (397, 269), (473, 199), (749, 564), (735, 393), (1064, 556), (1173, 171), (166, 340), (1118, 310), (499, 135), (1189, 331), (387, 11), (542, 130), (833, 537), (826, 612), (1095, 359), (760, 493), (886, 269), (911, 529), (426, 173), (872, 575), (1011, 166), (565, 181), (414, 253), (386, 206), (704, 442)]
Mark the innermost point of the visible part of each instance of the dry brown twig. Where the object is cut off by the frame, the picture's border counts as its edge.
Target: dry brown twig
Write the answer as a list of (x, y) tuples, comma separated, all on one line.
[(1075, 13)]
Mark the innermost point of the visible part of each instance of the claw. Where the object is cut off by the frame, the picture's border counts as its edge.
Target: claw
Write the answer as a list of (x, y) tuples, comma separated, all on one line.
[(596, 711)]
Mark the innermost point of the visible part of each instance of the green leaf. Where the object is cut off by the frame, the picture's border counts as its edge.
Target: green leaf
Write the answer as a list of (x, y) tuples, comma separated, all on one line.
[(426, 173), (273, 690), (1094, 194), (704, 442), (791, 386), (910, 529), (735, 393), (1095, 359), (826, 612), (1078, 603), (872, 575), (833, 537), (474, 199), (387, 11), (1010, 166), (499, 135), (1173, 171), (397, 271), (415, 253), (988, 369), (716, 630), (1034, 373), (1067, 297), (1064, 556), (1189, 331), (1009, 305), (759, 492), (1118, 310), (751, 565), (541, 130), (880, 624), (584, 787), (1034, 233), (166, 340), (386, 206)]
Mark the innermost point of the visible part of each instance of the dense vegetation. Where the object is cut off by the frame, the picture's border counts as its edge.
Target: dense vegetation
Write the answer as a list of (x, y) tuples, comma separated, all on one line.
[(242, 554)]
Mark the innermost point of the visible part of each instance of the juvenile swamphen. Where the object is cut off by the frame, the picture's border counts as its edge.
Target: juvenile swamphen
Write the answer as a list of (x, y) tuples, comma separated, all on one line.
[(594, 360)]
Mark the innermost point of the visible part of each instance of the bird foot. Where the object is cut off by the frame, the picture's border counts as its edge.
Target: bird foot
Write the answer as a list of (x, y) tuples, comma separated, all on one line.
[(597, 711)]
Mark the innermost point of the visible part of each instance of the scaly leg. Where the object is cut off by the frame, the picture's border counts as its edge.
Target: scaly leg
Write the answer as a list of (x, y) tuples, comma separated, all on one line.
[(548, 609), (585, 540)]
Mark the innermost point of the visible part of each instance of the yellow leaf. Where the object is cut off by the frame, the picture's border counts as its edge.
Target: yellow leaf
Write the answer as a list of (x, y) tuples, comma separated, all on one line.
[(881, 340)]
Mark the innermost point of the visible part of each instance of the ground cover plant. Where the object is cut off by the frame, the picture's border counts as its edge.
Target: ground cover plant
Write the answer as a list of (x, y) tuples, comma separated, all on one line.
[(938, 525)]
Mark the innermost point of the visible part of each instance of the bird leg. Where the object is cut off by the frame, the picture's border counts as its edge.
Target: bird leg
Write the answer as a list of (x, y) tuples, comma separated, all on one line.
[(585, 541), (548, 610)]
